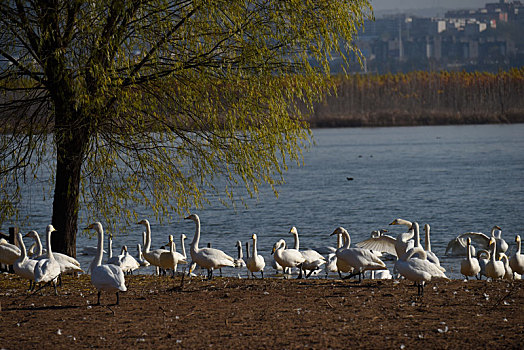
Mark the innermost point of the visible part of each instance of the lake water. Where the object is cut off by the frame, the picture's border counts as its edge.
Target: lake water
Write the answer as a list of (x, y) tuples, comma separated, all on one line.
[(456, 178)]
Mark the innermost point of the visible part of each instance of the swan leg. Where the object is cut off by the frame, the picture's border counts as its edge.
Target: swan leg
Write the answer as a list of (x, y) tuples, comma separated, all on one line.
[(310, 272), (117, 298), (300, 274), (98, 299), (262, 273)]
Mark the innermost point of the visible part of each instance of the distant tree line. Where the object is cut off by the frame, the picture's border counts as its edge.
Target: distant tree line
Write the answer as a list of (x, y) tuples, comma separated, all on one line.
[(423, 98)]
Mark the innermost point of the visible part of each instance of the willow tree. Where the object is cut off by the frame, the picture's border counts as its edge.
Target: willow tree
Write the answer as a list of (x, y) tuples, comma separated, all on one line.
[(160, 103)]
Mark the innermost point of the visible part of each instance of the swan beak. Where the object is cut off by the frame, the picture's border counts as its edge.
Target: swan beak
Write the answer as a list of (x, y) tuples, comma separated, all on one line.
[(273, 251), (517, 238), (498, 227), (394, 222)]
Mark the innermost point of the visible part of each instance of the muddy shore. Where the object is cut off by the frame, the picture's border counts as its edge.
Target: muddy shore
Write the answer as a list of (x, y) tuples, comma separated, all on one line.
[(226, 313)]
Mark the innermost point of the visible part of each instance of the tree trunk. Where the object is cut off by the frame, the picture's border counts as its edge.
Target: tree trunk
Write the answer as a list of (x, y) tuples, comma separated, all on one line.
[(71, 141)]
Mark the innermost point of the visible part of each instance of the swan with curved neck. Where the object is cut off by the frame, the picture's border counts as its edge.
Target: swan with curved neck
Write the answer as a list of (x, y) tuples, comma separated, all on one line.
[(139, 257), (418, 270), (255, 262), (517, 260), (105, 277), (67, 263), (494, 268), (288, 258), (152, 256), (207, 258), (342, 265), (24, 267), (48, 269), (313, 259), (359, 259), (470, 265)]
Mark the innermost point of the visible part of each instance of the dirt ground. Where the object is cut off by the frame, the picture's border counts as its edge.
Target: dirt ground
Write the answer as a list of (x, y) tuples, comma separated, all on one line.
[(231, 313)]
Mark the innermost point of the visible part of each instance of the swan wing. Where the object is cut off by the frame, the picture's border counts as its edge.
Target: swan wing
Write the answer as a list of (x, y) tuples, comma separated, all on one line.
[(9, 253), (108, 277), (46, 270), (479, 238), (383, 244)]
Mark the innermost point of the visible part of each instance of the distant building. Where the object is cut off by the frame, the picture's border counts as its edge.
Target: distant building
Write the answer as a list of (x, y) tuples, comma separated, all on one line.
[(484, 39)]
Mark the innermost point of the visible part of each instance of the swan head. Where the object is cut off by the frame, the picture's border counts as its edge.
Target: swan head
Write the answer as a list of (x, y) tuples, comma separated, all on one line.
[(124, 248), (50, 228), (517, 238), (110, 236), (183, 236), (426, 227), (278, 245), (238, 244), (170, 239), (400, 221), (97, 226), (144, 222), (254, 236), (293, 231), (31, 234), (492, 241), (338, 231), (193, 217), (469, 241)]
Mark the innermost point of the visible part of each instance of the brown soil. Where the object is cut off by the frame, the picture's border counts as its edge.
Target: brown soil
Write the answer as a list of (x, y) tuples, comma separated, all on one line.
[(235, 313)]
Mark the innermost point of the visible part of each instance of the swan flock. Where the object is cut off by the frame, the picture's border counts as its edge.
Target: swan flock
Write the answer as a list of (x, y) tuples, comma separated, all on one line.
[(411, 260)]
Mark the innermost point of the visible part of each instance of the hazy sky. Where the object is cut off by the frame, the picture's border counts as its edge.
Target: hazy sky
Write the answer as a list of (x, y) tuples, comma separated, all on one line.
[(380, 5)]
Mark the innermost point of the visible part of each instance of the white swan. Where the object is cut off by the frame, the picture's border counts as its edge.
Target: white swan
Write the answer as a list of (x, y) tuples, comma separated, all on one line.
[(430, 257), (517, 260), (239, 262), (494, 268), (456, 246), (152, 256), (9, 253), (169, 260), (288, 257), (48, 269), (105, 277), (67, 263), (331, 264), (128, 263), (313, 260), (342, 266), (207, 258), (23, 266), (470, 265), (117, 259), (418, 270), (508, 272), (483, 257), (359, 258), (255, 262), (140, 257)]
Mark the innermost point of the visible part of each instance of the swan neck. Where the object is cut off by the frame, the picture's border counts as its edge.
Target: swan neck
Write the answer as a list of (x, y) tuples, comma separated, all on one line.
[(39, 248), (240, 255), (148, 238), (428, 241), (110, 246), (21, 243), (196, 237), (417, 234), (97, 261), (255, 252), (518, 247), (50, 255), (339, 241), (469, 250), (347, 239), (183, 246), (297, 242)]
